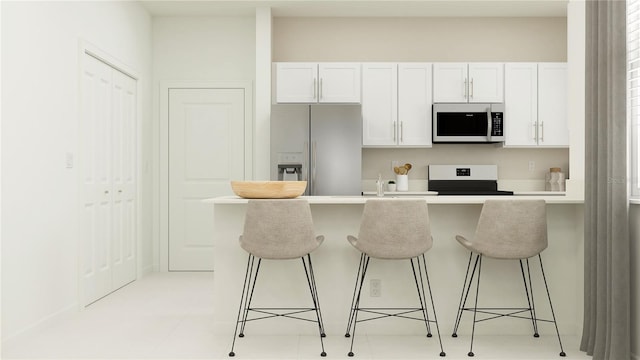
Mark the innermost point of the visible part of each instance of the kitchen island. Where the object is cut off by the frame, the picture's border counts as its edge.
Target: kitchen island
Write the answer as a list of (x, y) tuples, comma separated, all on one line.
[(335, 264)]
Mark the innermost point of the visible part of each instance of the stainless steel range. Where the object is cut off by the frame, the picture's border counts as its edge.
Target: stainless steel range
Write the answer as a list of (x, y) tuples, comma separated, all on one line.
[(465, 180)]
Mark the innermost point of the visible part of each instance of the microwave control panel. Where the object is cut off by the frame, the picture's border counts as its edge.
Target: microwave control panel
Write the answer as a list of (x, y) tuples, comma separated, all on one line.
[(496, 126)]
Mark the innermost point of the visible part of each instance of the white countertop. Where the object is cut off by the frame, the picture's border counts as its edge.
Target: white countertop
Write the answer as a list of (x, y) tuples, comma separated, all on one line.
[(346, 200)]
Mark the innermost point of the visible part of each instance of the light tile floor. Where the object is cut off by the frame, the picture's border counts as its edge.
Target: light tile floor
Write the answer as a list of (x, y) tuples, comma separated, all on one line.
[(169, 316)]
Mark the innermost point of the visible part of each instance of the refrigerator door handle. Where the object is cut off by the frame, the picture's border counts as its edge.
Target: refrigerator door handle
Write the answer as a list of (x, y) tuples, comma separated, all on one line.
[(305, 162), (313, 167)]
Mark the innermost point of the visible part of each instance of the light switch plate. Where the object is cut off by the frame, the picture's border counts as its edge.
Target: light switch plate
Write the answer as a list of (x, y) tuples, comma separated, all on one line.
[(68, 160)]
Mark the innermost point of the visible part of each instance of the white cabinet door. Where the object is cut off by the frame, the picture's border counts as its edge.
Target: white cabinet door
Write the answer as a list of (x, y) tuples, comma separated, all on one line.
[(486, 82), (521, 104), (553, 129), (313, 83), (450, 82), (206, 152), (296, 82), (108, 218), (462, 82), (414, 104), (379, 104), (339, 83)]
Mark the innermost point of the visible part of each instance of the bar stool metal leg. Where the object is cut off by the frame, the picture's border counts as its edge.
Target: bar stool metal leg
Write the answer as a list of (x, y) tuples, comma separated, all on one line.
[(465, 293), (475, 307), (528, 288), (356, 307), (247, 303), (433, 305), (353, 298), (553, 314), (242, 315), (421, 294), (311, 281)]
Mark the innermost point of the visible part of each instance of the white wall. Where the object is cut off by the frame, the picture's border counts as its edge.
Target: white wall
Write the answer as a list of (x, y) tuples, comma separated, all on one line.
[(193, 49), (419, 39), (40, 82), (203, 49)]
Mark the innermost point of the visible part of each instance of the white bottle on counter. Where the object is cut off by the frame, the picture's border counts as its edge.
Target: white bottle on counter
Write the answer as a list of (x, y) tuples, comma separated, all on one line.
[(379, 186)]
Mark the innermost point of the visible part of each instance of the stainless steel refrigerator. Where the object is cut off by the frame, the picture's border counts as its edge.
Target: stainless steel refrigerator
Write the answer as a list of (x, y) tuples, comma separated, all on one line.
[(329, 138)]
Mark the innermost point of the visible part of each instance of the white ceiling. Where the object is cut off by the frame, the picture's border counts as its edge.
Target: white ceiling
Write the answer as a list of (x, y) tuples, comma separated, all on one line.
[(356, 8)]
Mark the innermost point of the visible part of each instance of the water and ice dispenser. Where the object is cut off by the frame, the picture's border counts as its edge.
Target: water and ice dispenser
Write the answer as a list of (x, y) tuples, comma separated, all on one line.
[(289, 172)]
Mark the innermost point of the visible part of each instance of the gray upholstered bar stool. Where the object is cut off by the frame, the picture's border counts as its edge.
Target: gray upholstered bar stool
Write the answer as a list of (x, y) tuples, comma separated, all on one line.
[(278, 230), (507, 230), (394, 229)]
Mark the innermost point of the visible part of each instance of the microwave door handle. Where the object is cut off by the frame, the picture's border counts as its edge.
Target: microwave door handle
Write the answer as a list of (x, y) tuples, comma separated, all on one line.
[(489, 124)]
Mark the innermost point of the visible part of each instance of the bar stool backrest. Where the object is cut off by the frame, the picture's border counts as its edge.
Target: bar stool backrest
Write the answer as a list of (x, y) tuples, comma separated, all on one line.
[(511, 229), (279, 229), (394, 229)]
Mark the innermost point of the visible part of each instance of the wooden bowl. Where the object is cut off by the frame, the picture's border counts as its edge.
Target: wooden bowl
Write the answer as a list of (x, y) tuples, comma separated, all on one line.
[(268, 189)]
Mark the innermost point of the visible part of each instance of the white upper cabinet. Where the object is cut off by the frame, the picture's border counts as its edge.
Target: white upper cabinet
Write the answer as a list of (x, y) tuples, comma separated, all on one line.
[(317, 82), (536, 105), (468, 82), (553, 124), (396, 104), (415, 100), (521, 104), (379, 104), (296, 82)]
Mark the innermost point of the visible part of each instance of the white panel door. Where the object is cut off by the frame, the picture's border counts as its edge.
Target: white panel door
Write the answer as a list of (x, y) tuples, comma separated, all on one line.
[(123, 159), (108, 219), (96, 211), (206, 152)]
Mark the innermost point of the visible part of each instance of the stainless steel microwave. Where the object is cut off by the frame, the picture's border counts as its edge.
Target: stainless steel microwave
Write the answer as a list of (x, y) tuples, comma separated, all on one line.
[(468, 123)]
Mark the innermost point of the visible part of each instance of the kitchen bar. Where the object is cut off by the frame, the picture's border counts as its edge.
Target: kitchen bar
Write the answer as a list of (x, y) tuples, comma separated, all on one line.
[(335, 263)]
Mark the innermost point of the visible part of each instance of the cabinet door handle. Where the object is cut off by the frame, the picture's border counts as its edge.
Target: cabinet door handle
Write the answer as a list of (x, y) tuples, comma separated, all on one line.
[(314, 89), (542, 131), (320, 88), (464, 88), (535, 131), (471, 89), (395, 131), (401, 131)]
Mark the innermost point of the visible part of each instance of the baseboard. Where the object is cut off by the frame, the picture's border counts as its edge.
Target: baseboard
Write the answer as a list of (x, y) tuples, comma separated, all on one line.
[(41, 324)]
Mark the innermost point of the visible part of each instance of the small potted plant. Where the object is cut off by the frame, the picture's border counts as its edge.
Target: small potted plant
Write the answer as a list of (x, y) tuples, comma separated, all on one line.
[(391, 186)]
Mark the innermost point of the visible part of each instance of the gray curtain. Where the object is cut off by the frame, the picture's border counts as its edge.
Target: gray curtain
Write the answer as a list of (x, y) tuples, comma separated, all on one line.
[(606, 329)]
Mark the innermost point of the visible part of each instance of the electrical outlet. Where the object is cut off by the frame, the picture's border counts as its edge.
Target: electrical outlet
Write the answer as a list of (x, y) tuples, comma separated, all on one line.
[(375, 288), (532, 165)]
